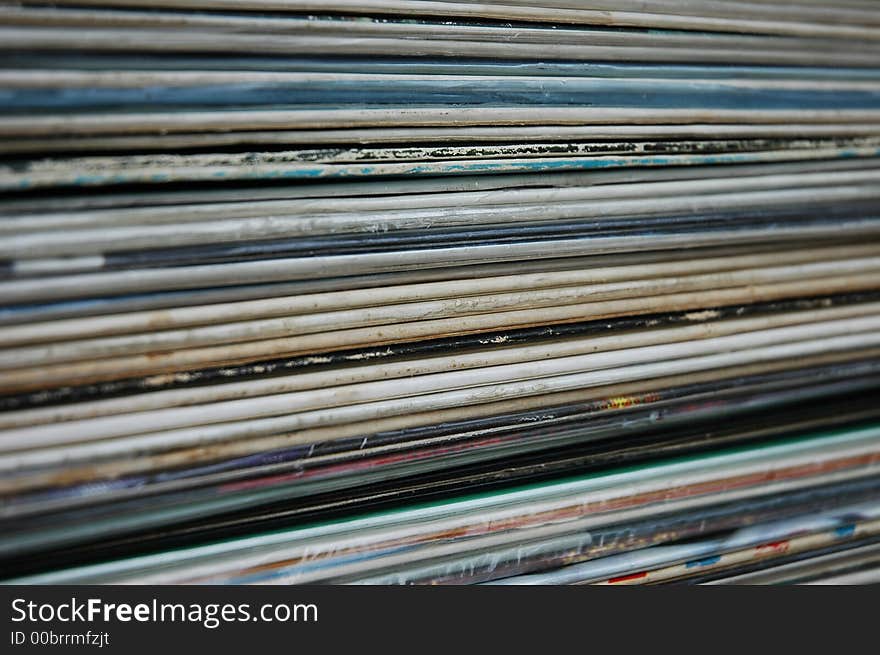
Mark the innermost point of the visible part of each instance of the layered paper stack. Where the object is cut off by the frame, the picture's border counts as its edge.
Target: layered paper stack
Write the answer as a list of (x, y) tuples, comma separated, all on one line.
[(401, 291)]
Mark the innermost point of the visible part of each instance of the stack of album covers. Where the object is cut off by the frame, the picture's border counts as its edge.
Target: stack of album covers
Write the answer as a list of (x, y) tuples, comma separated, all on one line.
[(435, 292)]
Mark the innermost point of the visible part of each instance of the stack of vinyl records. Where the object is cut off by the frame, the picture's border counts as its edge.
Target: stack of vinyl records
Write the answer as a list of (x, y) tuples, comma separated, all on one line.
[(402, 291)]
